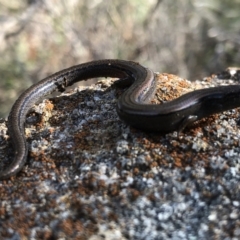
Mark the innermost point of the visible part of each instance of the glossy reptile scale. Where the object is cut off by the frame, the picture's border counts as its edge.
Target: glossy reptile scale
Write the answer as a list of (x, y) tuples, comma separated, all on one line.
[(132, 106)]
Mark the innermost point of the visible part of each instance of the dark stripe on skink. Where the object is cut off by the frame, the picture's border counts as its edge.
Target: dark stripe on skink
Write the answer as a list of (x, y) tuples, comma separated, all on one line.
[(131, 107)]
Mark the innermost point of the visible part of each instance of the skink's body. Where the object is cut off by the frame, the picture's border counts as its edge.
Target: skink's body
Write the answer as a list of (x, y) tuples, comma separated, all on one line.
[(132, 106)]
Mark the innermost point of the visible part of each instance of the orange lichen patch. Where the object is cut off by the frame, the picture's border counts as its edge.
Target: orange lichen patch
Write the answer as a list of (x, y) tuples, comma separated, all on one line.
[(67, 225), (113, 189), (170, 87), (178, 162), (2, 211), (49, 105), (22, 222), (151, 197), (150, 174), (80, 140), (112, 216), (136, 171), (40, 156), (150, 143), (178, 157), (210, 78), (43, 118), (47, 234), (72, 226), (182, 160), (51, 130), (134, 194)]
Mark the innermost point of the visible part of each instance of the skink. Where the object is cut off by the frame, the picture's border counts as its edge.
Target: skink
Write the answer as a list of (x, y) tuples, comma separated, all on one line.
[(132, 106)]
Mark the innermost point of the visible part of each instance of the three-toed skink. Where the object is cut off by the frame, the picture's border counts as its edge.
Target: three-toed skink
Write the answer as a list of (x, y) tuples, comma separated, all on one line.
[(133, 106)]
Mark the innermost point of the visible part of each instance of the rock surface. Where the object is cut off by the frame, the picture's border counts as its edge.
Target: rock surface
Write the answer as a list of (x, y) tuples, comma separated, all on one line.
[(91, 176)]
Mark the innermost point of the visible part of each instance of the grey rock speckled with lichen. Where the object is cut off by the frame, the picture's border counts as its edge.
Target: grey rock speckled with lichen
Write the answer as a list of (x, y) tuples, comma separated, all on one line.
[(90, 176)]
